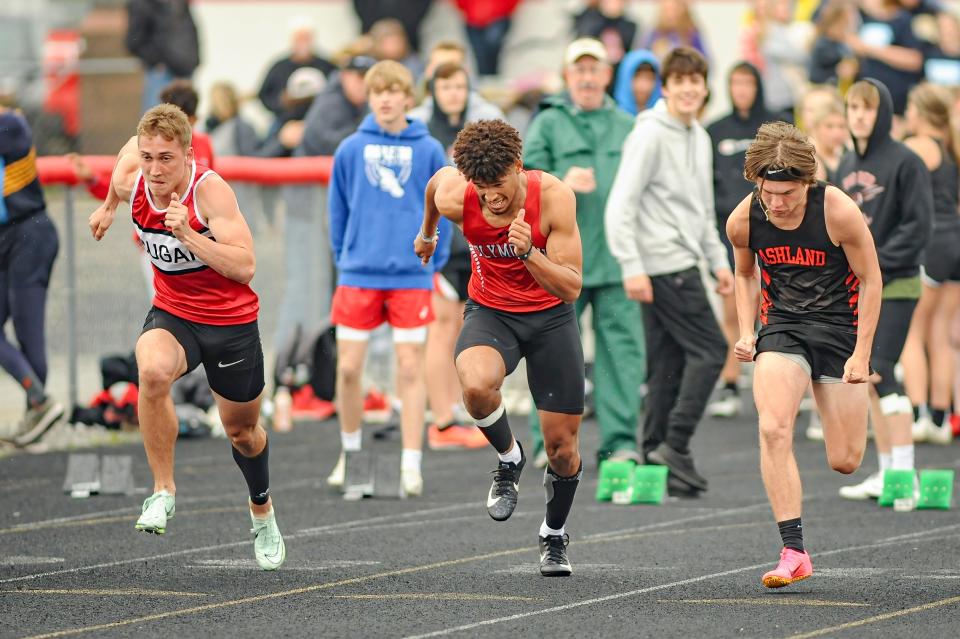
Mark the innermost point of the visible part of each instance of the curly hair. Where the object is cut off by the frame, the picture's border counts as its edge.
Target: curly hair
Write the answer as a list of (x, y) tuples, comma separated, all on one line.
[(779, 145), (485, 150)]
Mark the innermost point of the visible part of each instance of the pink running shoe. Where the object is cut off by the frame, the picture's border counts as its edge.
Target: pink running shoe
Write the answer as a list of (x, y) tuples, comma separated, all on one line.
[(793, 566)]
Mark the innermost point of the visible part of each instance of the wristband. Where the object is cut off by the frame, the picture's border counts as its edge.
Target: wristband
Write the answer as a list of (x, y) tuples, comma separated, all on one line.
[(526, 255), (436, 236)]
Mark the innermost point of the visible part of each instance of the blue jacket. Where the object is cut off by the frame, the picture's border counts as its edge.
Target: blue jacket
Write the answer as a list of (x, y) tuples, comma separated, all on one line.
[(623, 85), (376, 206)]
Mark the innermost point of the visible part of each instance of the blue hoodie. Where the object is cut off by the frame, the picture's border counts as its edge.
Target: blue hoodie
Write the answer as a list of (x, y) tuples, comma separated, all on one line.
[(623, 87), (376, 206)]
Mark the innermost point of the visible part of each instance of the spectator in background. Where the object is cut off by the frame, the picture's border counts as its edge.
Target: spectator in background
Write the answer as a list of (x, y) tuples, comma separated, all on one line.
[(28, 249), (274, 92), (410, 13), (302, 87), (638, 82), (660, 224), (831, 59), (376, 205), (181, 93), (941, 59), (604, 20), (448, 109), (674, 28), (731, 135), (163, 35), (337, 111), (444, 51), (822, 117), (578, 135), (389, 42), (784, 47), (888, 51), (487, 23)]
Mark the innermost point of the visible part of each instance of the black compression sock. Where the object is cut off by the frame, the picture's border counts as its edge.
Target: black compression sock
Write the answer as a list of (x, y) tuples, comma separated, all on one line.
[(731, 386), (496, 429), (791, 531), (937, 416), (560, 492), (256, 470)]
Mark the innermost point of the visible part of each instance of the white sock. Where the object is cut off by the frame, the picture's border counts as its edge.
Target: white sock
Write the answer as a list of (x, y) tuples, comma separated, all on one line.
[(512, 455), (886, 462), (410, 459), (350, 441), (902, 457), (261, 518), (546, 531)]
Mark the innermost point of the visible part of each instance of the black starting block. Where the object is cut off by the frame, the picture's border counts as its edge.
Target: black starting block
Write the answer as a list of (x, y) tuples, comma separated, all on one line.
[(371, 475)]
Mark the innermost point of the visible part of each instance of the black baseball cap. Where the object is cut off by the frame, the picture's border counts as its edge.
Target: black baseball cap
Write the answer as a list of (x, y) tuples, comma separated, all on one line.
[(361, 63)]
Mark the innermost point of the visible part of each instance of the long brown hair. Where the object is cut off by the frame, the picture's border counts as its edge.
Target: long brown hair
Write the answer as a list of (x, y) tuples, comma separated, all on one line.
[(779, 145), (933, 105)]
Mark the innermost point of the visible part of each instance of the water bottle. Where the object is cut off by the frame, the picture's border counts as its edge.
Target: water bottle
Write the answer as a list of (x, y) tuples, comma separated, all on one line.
[(282, 410)]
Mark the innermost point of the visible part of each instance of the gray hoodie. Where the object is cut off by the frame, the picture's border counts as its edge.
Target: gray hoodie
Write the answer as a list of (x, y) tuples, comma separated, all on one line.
[(659, 217)]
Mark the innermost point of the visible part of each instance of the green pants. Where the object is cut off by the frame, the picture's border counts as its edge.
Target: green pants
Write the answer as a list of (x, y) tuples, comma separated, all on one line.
[(619, 368)]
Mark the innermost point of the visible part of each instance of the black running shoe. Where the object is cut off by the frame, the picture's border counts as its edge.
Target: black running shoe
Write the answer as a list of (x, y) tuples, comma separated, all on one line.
[(680, 465), (553, 556), (502, 498)]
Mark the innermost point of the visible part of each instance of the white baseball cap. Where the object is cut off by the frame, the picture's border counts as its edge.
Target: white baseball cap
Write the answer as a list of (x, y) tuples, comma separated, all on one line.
[(585, 46)]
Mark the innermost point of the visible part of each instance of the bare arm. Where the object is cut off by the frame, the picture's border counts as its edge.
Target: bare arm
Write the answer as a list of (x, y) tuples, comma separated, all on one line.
[(746, 284), (231, 253), (846, 227), (559, 272), (927, 149), (121, 186), (443, 197)]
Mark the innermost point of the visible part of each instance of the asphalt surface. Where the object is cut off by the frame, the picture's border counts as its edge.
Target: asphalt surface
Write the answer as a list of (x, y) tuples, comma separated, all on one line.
[(439, 566)]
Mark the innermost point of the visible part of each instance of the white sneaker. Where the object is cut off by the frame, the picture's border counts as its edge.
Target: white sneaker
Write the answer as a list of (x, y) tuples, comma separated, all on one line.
[(411, 482), (940, 435), (870, 488), (921, 429), (339, 474), (726, 405), (157, 509), (815, 427), (268, 547)]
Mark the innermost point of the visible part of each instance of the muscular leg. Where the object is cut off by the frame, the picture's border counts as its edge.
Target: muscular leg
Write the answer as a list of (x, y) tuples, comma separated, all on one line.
[(351, 355), (561, 441), (778, 387), (481, 370), (160, 361), (443, 391), (241, 422), (843, 410), (411, 388), (731, 330)]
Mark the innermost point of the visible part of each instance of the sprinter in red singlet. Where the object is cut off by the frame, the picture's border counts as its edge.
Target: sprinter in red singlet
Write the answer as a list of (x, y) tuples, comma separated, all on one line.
[(204, 311), (526, 273)]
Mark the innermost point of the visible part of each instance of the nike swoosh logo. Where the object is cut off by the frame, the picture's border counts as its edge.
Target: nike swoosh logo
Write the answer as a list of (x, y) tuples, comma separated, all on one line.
[(222, 365), (492, 501)]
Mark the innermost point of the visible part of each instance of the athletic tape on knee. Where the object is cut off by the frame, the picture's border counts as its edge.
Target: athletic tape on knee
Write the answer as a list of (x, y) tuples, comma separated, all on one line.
[(895, 404), (492, 418)]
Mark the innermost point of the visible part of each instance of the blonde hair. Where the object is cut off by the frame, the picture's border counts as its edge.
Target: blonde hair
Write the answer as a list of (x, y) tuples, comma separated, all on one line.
[(387, 74), (933, 104), (169, 122), (866, 91), (779, 145), (224, 103), (821, 109)]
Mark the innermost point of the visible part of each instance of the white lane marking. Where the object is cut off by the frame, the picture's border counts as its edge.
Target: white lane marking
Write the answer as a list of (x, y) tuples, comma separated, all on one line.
[(26, 560), (641, 591)]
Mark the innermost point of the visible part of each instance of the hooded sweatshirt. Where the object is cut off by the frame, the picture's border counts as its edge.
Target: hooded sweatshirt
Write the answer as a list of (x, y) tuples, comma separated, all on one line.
[(376, 206), (660, 215), (731, 135), (623, 86), (891, 185)]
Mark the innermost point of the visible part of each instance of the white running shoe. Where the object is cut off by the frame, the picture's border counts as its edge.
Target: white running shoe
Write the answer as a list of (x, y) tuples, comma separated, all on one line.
[(268, 546), (157, 509), (726, 405), (940, 435), (411, 482), (921, 429), (870, 488), (815, 427), (339, 474)]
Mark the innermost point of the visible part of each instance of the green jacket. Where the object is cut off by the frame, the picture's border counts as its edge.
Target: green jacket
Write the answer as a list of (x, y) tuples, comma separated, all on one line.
[(562, 136)]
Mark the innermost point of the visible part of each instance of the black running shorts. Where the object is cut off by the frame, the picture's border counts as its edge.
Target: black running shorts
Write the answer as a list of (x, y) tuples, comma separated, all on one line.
[(825, 348), (548, 339), (942, 261), (231, 355)]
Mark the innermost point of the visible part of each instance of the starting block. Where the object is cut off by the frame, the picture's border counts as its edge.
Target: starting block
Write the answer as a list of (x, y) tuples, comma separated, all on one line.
[(371, 475), (936, 489), (649, 485), (614, 477), (897, 484), (89, 474)]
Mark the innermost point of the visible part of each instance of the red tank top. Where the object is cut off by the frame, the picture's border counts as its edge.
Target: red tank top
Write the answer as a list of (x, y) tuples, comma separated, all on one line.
[(498, 279), (184, 285)]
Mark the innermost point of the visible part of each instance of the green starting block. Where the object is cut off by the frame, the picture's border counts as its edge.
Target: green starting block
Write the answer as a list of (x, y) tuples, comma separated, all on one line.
[(897, 484), (615, 477), (649, 485), (936, 489)]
